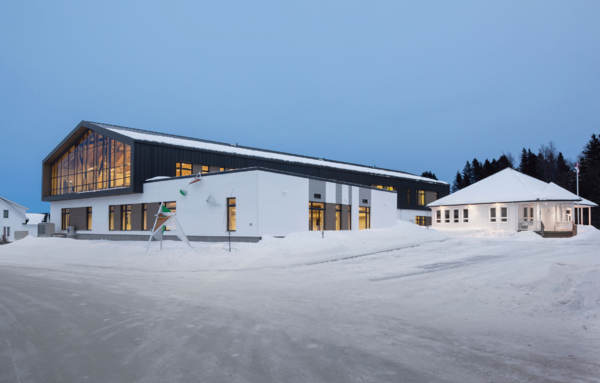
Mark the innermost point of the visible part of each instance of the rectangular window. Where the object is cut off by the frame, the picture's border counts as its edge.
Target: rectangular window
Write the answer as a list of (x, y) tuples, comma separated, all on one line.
[(456, 218), (408, 196), (421, 197), (111, 218), (364, 217), (438, 216), (465, 215), (338, 217), (316, 214), (421, 220), (504, 214), (5, 213), (492, 214), (231, 214), (348, 217), (88, 218), (126, 217), (183, 169), (144, 216), (65, 218), (531, 214), (447, 216), (204, 169)]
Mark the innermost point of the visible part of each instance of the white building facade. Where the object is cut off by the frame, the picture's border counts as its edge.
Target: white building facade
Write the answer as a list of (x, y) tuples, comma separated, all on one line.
[(12, 219), (508, 201), (244, 204)]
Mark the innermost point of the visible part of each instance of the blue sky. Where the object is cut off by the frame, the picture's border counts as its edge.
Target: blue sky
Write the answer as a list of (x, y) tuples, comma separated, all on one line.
[(412, 86)]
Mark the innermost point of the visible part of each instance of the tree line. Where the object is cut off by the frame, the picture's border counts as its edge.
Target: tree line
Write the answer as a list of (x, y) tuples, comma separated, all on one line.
[(548, 165)]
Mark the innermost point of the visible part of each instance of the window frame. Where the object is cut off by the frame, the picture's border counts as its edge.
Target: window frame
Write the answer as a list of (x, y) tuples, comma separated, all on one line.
[(466, 215), (338, 217), (447, 216), (65, 218), (5, 214), (456, 216), (231, 204), (438, 216), (503, 214), (420, 197), (183, 167), (126, 213), (316, 209), (366, 211), (492, 213), (88, 218)]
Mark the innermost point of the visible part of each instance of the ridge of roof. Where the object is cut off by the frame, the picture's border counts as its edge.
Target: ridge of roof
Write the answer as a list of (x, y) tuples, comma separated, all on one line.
[(497, 188), (14, 204), (332, 163)]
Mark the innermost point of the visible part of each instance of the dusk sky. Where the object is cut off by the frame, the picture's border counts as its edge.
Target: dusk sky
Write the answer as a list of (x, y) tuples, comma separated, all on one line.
[(412, 86)]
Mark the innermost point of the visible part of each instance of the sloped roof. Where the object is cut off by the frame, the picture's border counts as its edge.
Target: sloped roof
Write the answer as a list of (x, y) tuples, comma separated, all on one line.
[(148, 136), (13, 204), (507, 185), (587, 202)]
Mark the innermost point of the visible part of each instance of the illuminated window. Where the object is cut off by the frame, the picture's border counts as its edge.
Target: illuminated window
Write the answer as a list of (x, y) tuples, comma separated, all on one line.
[(65, 221), (408, 196), (504, 214), (421, 220), (183, 169), (421, 197), (438, 216), (231, 214), (338, 217), (364, 217), (465, 215), (111, 218), (316, 214), (447, 216), (204, 169), (88, 218), (126, 217), (384, 187), (95, 162), (144, 216), (456, 218), (492, 214)]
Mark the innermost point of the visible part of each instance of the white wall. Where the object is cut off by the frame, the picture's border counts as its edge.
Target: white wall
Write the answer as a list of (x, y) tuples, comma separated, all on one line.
[(268, 203), (479, 217), (383, 209), (15, 220), (282, 203)]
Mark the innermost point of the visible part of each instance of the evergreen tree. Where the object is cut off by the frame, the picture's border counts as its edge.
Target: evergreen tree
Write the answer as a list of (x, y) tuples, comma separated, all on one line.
[(467, 174), (503, 162), (477, 171), (565, 176), (488, 169), (589, 176), (458, 182), (429, 174)]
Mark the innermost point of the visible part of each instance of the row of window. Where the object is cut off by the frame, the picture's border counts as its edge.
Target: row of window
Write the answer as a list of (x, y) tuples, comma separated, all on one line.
[(343, 217), (465, 215), (187, 169), (121, 217)]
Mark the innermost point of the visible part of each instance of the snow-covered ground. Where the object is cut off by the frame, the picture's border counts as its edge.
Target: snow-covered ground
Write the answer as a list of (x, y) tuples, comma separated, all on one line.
[(406, 304)]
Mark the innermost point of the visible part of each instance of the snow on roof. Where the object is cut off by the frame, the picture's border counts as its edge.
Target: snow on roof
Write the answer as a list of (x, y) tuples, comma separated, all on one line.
[(13, 204), (587, 202), (507, 185), (35, 218), (142, 135)]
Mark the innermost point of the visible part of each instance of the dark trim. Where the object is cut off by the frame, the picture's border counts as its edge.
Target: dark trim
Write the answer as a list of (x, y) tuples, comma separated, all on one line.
[(144, 237), (91, 194)]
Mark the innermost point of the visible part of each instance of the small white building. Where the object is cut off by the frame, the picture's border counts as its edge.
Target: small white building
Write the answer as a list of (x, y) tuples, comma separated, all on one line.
[(12, 219), (244, 203), (510, 201)]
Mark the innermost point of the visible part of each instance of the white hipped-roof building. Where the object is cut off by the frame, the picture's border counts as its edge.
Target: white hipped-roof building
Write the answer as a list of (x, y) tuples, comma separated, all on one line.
[(512, 201)]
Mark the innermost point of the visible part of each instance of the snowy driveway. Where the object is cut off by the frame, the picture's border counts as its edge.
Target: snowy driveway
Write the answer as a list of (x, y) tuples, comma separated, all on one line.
[(433, 309)]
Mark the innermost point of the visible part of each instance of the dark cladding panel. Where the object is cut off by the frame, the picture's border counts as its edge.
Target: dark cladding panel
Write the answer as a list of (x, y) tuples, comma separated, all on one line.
[(78, 218), (136, 217), (330, 216)]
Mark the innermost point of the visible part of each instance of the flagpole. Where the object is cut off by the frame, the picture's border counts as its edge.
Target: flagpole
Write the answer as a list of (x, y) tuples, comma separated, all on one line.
[(577, 167)]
